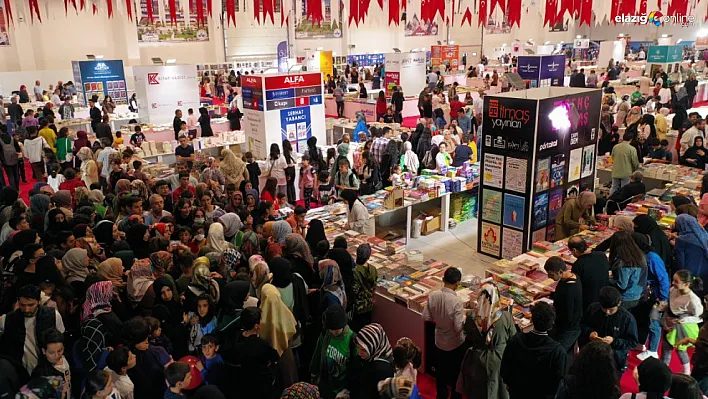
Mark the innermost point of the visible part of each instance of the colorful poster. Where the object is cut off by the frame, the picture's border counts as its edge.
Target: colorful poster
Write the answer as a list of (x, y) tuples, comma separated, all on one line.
[(542, 174), (515, 179), (576, 159), (572, 191), (540, 211), (305, 29), (588, 160), (551, 233), (512, 243), (514, 211), (491, 205), (493, 170), (4, 37), (490, 239), (416, 27), (555, 202), (100, 78), (538, 235), (295, 125), (557, 170), (185, 29)]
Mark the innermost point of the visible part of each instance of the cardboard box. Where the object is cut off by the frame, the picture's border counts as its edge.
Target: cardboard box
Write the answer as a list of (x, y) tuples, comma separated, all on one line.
[(432, 222)]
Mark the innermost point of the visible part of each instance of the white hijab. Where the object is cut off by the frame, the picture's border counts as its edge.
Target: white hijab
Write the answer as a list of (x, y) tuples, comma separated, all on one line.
[(215, 238), (410, 159)]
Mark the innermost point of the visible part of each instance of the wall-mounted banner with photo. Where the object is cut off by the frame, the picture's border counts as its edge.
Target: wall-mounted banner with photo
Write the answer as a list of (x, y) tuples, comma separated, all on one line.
[(560, 26), (4, 37), (498, 22), (330, 27), (416, 27), (184, 28)]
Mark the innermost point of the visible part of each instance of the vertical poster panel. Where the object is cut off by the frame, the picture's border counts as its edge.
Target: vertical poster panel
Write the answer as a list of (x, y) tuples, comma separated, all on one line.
[(168, 88), (552, 70), (393, 79), (76, 72), (326, 64), (103, 78), (508, 141), (283, 56), (529, 69)]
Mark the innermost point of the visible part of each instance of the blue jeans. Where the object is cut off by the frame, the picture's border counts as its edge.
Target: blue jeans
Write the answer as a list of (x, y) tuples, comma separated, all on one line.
[(654, 330), (617, 184)]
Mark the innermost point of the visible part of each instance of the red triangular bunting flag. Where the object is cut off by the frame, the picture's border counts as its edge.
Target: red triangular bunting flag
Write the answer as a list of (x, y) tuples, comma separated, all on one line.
[(172, 5), (642, 6), (8, 12), (629, 7), (129, 8), (549, 17), (394, 12), (209, 7), (148, 11), (514, 7), (66, 7), (614, 10), (467, 16), (354, 12), (586, 12), (109, 6), (83, 5), (34, 9)]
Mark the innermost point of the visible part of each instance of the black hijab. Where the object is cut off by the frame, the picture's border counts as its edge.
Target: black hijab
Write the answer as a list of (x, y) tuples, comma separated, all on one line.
[(235, 294), (692, 153), (315, 234), (134, 237), (346, 268), (8, 196), (350, 196), (283, 276), (282, 272), (173, 306), (55, 227), (645, 224), (104, 233)]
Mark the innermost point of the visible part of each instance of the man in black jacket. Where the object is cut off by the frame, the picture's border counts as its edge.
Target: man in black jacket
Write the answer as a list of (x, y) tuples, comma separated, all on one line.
[(397, 101), (690, 86), (610, 323), (567, 301), (177, 123), (533, 363), (95, 114), (591, 268)]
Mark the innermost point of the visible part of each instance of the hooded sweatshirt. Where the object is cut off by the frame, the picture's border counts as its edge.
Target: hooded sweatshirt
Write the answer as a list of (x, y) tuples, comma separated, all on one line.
[(363, 288), (532, 365)]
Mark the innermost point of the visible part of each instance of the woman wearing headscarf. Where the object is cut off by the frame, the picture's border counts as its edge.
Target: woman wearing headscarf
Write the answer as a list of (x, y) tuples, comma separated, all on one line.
[(75, 269), (97, 198), (608, 138), (377, 361), (623, 109), (249, 246), (105, 232), (620, 223), (487, 328), (409, 161), (234, 168), (215, 240), (332, 291), (660, 123), (653, 378), (280, 231), (227, 320), (111, 270), (232, 227), (634, 118), (138, 237), (646, 127), (202, 283), (645, 224), (168, 310), (691, 246), (140, 292), (8, 197), (358, 217), (315, 234), (568, 219), (98, 304), (293, 292), (696, 156), (346, 269), (298, 253), (278, 327), (39, 206), (260, 274)]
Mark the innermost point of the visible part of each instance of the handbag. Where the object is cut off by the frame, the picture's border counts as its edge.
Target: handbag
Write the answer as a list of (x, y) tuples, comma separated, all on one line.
[(69, 157)]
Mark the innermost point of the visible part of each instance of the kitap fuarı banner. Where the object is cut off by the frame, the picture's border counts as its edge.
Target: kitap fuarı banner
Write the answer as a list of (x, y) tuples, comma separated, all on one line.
[(163, 89)]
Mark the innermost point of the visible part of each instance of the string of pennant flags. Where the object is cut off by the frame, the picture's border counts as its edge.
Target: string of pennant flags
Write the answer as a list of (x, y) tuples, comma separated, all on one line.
[(585, 12)]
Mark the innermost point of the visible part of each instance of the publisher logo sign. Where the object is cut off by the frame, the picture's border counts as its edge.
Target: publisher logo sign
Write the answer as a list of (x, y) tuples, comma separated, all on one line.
[(152, 78), (505, 117)]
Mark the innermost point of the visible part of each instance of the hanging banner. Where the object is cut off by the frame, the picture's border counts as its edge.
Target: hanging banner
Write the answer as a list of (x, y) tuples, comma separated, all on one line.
[(329, 28), (448, 55), (183, 26), (416, 27), (283, 56), (4, 38)]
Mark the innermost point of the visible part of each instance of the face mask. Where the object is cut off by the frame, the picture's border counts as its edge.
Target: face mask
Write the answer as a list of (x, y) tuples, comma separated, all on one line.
[(199, 237), (199, 220)]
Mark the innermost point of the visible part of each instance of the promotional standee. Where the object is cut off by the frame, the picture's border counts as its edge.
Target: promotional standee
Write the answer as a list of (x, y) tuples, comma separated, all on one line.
[(282, 107), (539, 149), (407, 70), (541, 70), (668, 57), (100, 78), (320, 61), (162, 90), (449, 55)]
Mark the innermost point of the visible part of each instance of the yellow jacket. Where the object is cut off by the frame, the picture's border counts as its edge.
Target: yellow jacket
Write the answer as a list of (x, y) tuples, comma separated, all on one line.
[(661, 126)]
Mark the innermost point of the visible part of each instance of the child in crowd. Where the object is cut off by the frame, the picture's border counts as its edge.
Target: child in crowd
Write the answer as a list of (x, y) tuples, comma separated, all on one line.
[(156, 336), (53, 363), (658, 151), (118, 362), (335, 351), (255, 357), (99, 385), (178, 378), (192, 121), (282, 199), (407, 358), (55, 178), (326, 190), (253, 170), (307, 181), (203, 323), (183, 131), (118, 141), (137, 138), (211, 364), (680, 322), (20, 157), (396, 178), (138, 173)]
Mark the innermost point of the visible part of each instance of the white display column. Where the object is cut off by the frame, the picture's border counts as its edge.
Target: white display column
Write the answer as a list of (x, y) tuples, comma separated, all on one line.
[(163, 89), (407, 70), (282, 107)]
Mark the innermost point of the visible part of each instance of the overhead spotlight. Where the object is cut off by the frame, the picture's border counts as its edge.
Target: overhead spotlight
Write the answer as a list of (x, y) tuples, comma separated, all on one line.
[(547, 42), (664, 35), (90, 57), (578, 37), (171, 61), (157, 61)]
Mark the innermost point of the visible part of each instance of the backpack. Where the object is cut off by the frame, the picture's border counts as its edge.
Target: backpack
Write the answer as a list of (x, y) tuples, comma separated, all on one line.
[(9, 153)]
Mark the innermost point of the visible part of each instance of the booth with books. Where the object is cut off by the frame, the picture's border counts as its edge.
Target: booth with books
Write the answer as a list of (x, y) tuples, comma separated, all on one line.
[(539, 149)]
